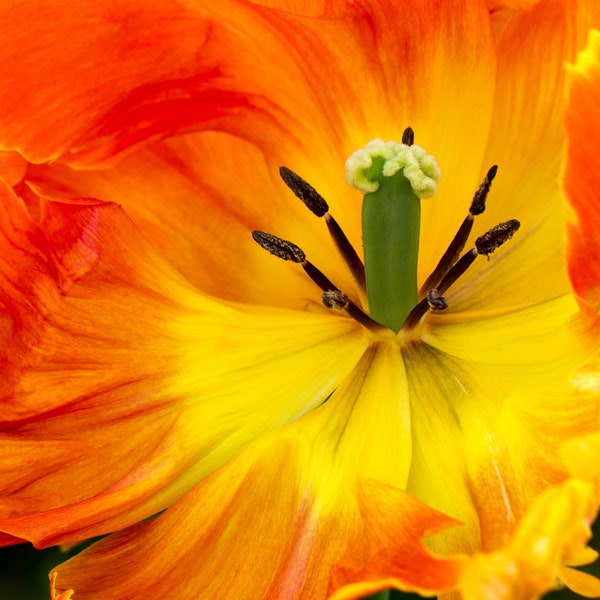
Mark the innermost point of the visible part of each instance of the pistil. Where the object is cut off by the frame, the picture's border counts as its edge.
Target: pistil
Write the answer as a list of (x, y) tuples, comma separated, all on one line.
[(393, 178)]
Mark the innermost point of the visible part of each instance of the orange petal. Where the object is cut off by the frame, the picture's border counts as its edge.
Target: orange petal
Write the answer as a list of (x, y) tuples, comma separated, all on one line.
[(258, 72), (582, 172), (12, 167), (114, 372), (310, 509), (115, 76), (195, 196), (580, 582), (370, 565), (526, 141), (197, 201)]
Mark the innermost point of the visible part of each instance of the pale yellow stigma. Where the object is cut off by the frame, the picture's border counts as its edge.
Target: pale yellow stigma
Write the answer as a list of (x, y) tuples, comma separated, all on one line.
[(365, 167)]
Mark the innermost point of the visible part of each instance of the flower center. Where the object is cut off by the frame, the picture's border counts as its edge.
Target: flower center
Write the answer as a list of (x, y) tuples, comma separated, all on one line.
[(393, 178)]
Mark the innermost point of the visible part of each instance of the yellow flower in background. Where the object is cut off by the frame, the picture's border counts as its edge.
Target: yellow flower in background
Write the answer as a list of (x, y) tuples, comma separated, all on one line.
[(154, 357)]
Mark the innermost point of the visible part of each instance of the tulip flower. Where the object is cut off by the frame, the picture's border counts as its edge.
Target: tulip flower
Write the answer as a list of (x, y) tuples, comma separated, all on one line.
[(385, 406)]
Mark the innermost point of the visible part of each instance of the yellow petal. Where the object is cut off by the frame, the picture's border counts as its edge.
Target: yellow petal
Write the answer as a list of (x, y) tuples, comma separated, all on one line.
[(551, 531), (322, 495), (581, 583), (493, 402)]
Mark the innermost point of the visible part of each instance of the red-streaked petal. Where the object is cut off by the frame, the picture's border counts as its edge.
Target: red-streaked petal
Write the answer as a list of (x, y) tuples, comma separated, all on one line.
[(305, 511), (138, 74), (582, 172), (122, 386)]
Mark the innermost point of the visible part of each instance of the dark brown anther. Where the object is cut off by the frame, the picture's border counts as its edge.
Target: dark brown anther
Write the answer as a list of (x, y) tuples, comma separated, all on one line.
[(496, 236), (408, 137), (435, 300), (478, 203), (335, 299), (304, 191), (278, 247)]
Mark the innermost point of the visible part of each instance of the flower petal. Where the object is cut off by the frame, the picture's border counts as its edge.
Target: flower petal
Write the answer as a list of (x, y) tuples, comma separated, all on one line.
[(525, 140), (139, 74), (552, 534), (495, 402), (581, 172), (320, 492), (115, 373), (195, 198), (254, 71)]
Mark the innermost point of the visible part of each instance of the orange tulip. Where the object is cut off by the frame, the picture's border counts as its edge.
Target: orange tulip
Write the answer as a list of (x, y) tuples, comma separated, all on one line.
[(155, 358)]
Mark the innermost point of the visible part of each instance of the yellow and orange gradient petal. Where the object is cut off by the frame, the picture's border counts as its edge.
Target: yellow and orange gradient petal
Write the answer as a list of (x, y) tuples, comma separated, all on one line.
[(168, 384), (306, 510), (123, 386), (554, 532), (551, 539), (275, 86)]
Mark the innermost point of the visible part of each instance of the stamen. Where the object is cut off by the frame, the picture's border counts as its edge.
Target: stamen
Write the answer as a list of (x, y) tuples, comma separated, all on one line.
[(484, 245), (289, 251), (435, 300), (345, 248), (335, 299), (462, 235), (304, 191), (319, 277), (478, 203), (408, 137), (318, 206), (278, 247), (496, 236)]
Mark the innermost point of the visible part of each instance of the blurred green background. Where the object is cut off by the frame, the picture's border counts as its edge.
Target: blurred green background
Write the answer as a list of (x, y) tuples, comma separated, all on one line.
[(24, 573)]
